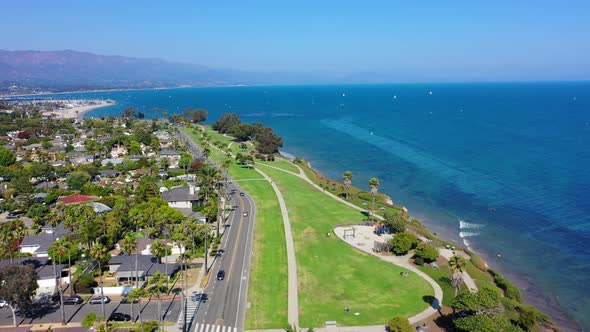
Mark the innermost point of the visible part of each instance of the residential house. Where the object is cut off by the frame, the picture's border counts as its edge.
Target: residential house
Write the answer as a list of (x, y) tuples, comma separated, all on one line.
[(173, 156), (182, 197), (118, 151), (38, 245), (45, 271), (124, 267)]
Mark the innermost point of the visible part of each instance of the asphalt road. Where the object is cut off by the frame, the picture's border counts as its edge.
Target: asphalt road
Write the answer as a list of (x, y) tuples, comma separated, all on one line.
[(226, 299), (224, 309), (76, 313)]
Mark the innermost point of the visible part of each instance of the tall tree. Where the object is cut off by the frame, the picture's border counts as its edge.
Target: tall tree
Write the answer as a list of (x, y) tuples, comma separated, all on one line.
[(161, 250), (135, 296), (374, 184), (157, 281), (457, 264), (347, 178), (98, 252), (18, 287), (128, 246)]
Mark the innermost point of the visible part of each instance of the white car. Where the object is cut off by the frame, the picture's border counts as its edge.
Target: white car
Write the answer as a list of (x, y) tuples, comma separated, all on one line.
[(3, 303)]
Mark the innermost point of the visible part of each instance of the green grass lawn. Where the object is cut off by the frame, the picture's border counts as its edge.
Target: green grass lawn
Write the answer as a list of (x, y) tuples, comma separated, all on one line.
[(282, 164), (332, 275), (442, 276), (267, 291)]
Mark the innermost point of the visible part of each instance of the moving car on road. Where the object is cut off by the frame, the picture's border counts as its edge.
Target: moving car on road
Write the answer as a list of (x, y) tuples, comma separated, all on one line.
[(75, 299), (99, 300), (221, 275), (245, 213), (119, 317), (241, 194)]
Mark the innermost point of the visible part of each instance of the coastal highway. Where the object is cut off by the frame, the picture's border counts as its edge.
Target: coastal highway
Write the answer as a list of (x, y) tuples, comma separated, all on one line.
[(226, 300), (224, 309)]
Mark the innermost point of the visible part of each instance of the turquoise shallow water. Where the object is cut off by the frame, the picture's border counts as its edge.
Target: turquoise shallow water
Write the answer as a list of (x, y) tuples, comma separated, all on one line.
[(502, 168)]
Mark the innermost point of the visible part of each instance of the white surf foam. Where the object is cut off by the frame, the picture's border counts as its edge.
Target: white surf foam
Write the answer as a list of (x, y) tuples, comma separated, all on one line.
[(467, 225), (467, 234)]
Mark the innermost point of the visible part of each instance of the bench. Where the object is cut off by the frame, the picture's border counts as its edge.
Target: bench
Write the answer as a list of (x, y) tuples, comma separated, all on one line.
[(330, 323)]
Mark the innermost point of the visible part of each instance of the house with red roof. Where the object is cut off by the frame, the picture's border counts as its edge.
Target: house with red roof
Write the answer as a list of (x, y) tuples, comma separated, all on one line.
[(73, 199)]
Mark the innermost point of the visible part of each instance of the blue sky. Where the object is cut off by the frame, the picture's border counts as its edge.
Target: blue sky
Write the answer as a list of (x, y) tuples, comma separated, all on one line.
[(387, 40)]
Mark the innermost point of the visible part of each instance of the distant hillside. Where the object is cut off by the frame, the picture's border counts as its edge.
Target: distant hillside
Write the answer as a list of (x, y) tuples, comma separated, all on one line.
[(73, 70)]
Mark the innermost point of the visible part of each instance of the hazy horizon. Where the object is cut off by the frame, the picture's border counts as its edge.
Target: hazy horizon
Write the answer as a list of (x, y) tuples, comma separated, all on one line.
[(378, 42)]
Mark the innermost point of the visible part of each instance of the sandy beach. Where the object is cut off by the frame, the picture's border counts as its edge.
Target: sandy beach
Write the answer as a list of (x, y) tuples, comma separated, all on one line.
[(76, 111)]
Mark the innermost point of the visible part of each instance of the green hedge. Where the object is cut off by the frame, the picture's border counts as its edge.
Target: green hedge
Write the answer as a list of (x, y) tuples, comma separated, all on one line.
[(510, 290)]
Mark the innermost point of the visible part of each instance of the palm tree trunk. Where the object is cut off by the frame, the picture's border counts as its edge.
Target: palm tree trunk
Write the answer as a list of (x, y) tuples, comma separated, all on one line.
[(373, 208), (61, 297), (70, 271), (160, 311), (139, 308), (166, 261), (136, 273), (13, 315), (101, 289)]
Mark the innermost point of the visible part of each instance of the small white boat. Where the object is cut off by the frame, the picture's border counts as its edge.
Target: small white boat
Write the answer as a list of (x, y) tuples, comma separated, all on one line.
[(430, 92), (343, 94)]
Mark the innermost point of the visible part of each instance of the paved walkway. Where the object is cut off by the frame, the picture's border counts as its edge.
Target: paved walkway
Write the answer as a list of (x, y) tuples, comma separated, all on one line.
[(447, 253), (293, 293)]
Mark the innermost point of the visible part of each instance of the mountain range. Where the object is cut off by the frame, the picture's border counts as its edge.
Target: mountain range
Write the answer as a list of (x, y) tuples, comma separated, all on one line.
[(69, 70)]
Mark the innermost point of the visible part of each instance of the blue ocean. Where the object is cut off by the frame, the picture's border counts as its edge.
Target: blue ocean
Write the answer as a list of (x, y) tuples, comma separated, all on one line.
[(503, 168)]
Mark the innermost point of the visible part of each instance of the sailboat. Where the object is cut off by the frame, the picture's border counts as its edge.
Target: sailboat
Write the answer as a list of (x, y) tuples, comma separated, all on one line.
[(430, 92)]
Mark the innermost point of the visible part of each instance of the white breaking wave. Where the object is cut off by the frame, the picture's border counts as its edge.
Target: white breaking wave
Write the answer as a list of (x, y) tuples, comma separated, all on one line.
[(468, 234), (466, 243), (467, 225)]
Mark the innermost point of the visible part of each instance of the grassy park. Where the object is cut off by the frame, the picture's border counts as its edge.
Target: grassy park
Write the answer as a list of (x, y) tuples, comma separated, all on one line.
[(331, 274), (267, 292)]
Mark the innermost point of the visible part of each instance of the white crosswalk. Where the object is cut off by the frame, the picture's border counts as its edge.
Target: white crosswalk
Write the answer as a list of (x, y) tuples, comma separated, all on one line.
[(191, 308), (214, 328)]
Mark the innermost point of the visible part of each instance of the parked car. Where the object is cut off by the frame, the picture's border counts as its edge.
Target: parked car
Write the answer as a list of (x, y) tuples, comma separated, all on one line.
[(119, 317), (3, 303), (221, 275), (99, 300), (245, 213), (75, 299)]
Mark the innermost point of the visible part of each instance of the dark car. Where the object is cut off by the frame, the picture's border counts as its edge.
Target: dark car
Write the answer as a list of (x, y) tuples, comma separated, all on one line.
[(119, 317), (75, 299), (220, 275), (99, 300), (242, 194)]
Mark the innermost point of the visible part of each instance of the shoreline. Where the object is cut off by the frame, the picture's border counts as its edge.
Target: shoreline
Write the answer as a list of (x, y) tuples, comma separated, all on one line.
[(77, 112), (532, 294)]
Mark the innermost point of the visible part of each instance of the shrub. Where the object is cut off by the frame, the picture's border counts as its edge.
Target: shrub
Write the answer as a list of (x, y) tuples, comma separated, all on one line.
[(427, 252), (89, 319), (510, 290), (403, 242), (399, 324), (394, 222), (85, 283), (419, 261)]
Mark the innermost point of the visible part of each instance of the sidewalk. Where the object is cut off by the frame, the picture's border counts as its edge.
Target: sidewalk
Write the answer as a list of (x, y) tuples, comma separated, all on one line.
[(293, 293)]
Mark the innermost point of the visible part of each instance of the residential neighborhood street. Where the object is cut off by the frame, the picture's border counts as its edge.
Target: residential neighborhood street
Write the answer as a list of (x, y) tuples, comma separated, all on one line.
[(76, 313)]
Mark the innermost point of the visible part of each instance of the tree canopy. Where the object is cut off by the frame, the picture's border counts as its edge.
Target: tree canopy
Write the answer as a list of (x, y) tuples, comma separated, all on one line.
[(195, 115), (403, 242), (7, 158), (18, 287)]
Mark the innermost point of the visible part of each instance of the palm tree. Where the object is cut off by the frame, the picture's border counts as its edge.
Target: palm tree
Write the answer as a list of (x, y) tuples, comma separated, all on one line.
[(98, 251), (128, 246), (135, 296), (206, 152), (456, 263), (59, 251), (347, 177), (157, 281), (374, 184), (161, 250)]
